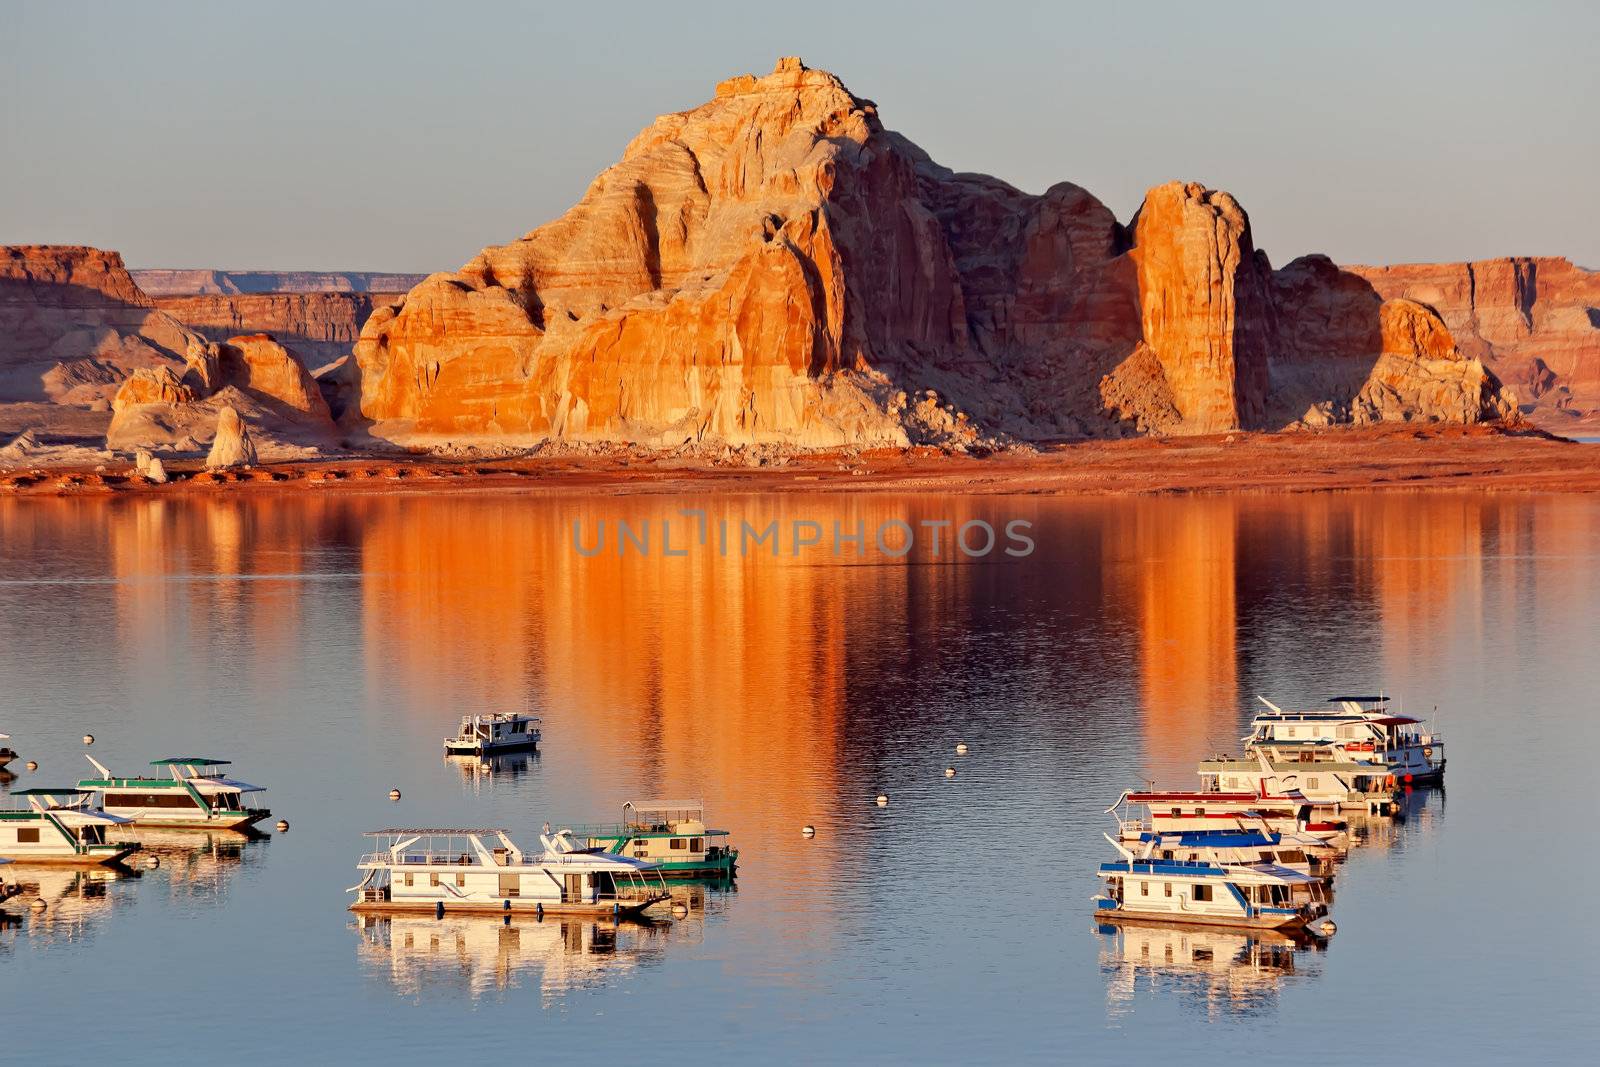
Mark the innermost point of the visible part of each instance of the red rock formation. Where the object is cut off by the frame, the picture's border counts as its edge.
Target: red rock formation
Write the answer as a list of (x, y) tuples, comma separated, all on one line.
[(320, 327), (161, 282), (775, 266), (1534, 322), (73, 325)]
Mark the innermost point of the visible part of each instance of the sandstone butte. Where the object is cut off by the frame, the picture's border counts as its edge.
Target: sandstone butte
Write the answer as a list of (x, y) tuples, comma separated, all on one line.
[(774, 266)]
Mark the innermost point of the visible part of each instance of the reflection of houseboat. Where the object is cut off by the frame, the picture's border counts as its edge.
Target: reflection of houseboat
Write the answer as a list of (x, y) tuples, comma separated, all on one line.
[(1175, 811), (1361, 731), (673, 834), (196, 795), (1234, 971), (484, 871), (7, 754), (58, 826), (561, 953), (483, 770), (1342, 784), (483, 735), (1210, 894), (1232, 848), (7, 889)]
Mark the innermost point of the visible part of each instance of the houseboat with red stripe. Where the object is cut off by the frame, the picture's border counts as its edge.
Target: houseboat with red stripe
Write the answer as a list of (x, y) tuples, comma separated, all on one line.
[(1175, 811), (1361, 730)]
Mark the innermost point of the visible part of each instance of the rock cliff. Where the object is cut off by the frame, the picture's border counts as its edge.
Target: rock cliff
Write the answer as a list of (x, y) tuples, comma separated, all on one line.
[(1534, 321), (321, 327), (73, 326), (164, 282), (775, 266)]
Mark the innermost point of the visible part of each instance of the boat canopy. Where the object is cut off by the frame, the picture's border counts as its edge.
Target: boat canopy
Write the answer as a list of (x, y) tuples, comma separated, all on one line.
[(1394, 720), (1358, 700), (190, 761), (48, 791), (436, 832)]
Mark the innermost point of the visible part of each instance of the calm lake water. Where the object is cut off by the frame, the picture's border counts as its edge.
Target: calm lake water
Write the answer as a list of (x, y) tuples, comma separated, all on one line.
[(328, 644)]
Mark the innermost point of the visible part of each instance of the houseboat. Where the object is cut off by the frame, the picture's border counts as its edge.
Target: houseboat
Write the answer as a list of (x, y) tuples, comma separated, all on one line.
[(1176, 811), (1260, 896), (485, 735), (196, 794), (1362, 730), (7, 753), (1341, 785), (59, 826), (1233, 848), (455, 871), (672, 834)]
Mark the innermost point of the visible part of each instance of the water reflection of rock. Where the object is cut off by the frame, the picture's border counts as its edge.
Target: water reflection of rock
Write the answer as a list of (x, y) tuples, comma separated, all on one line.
[(479, 773), (482, 954), (1218, 971)]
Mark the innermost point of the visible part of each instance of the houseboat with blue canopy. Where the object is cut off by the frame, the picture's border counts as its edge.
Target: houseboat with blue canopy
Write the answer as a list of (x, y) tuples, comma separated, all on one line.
[(1261, 896), (59, 827), (484, 870), (672, 834), (196, 794), (1232, 848), (1360, 729)]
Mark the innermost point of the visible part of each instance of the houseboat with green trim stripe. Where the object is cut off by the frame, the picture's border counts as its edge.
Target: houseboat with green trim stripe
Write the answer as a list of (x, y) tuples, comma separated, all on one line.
[(1262, 895), (672, 834), (195, 795), (59, 826)]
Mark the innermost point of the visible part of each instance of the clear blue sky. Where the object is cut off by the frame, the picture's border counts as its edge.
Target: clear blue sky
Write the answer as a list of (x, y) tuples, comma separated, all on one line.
[(396, 136)]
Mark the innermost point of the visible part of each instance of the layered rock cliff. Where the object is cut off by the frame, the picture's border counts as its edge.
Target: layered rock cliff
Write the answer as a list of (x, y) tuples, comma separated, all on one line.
[(159, 282), (321, 327), (73, 325), (775, 266), (1534, 321)]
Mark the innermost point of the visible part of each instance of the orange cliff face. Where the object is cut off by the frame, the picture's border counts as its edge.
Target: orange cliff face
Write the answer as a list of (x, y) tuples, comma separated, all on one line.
[(776, 267)]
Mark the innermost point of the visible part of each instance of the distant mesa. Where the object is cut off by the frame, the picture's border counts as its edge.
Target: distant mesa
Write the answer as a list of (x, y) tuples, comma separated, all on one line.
[(776, 268)]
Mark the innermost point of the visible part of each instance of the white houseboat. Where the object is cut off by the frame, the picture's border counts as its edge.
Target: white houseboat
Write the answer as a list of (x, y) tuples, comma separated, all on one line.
[(1344, 785), (1209, 894), (59, 826), (1362, 730), (1178, 811), (196, 794), (483, 870), (1233, 848), (486, 735)]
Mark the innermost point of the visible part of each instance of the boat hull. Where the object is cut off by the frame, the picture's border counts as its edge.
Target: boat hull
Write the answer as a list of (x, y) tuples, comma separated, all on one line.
[(229, 822), (483, 751), (606, 909), (94, 859), (1241, 922)]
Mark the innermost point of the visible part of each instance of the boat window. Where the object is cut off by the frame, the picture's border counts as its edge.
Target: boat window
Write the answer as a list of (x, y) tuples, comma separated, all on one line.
[(1291, 855), (1177, 811), (511, 885), (410, 878), (1168, 887), (679, 843), (433, 879), (461, 881), (1166, 853), (698, 844), (28, 835), (1311, 783), (1144, 887), (1202, 892)]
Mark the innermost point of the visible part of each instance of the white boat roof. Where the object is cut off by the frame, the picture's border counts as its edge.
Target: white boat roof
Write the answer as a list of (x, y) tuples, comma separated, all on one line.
[(438, 832), (666, 805)]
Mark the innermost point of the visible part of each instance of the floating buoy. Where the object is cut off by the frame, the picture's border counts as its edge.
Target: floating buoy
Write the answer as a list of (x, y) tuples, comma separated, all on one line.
[(1327, 928), (32, 766), (680, 911), (961, 748), (88, 739), (883, 800), (38, 904), (949, 772), (808, 830), (283, 826), (394, 794)]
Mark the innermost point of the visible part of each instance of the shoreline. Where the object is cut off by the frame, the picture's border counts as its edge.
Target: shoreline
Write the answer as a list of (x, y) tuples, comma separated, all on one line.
[(1476, 458)]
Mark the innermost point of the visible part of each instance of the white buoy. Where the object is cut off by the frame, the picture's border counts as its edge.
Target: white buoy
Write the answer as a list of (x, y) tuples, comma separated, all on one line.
[(32, 766), (808, 830), (1327, 927), (961, 748), (88, 739), (283, 826), (394, 794), (38, 904), (680, 911), (949, 772)]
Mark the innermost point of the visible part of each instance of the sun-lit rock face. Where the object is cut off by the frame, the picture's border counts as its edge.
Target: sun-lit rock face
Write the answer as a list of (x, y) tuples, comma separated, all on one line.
[(776, 267)]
